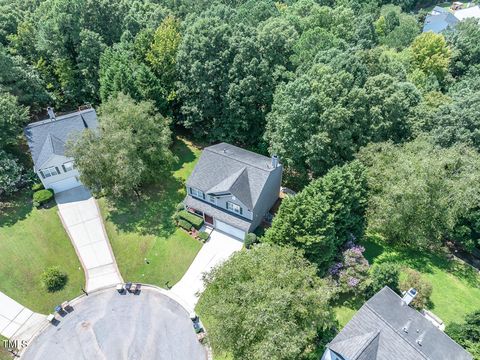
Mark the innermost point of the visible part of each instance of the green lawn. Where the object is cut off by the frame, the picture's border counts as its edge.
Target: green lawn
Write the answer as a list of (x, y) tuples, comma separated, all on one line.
[(140, 229), (30, 241), (456, 286), (4, 354)]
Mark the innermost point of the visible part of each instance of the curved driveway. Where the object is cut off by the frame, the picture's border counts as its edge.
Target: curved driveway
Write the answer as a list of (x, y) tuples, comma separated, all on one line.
[(108, 325)]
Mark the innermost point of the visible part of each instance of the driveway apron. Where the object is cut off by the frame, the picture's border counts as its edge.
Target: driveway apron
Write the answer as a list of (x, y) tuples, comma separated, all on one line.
[(219, 248)]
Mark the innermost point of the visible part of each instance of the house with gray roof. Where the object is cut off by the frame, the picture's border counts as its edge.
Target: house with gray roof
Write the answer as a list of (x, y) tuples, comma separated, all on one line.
[(387, 328), (233, 188), (46, 140), (439, 21)]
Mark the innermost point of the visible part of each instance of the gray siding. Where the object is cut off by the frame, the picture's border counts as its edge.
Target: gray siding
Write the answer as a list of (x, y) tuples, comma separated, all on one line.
[(268, 197)]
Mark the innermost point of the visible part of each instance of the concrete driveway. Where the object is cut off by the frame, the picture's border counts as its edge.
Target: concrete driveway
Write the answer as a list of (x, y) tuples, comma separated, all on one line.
[(16, 321), (219, 248), (82, 220), (107, 325)]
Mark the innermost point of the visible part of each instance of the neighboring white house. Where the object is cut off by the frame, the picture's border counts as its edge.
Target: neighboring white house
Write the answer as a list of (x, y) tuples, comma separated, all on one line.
[(233, 188), (47, 139)]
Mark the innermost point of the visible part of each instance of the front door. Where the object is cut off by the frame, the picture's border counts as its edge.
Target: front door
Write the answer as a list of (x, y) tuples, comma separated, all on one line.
[(208, 219)]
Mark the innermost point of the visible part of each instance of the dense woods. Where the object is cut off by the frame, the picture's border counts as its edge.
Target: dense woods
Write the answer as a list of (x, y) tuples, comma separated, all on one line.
[(376, 123)]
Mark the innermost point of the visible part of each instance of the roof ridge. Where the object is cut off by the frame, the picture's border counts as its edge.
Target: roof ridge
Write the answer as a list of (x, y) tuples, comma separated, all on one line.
[(59, 118), (233, 158), (395, 330)]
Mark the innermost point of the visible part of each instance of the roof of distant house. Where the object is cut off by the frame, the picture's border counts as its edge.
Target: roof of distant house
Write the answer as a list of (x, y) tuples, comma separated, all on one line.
[(439, 10), (470, 12), (386, 328), (439, 22), (224, 168), (48, 137)]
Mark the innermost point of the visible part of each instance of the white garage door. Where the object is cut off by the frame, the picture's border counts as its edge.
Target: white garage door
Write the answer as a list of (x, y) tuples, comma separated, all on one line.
[(65, 184), (229, 229)]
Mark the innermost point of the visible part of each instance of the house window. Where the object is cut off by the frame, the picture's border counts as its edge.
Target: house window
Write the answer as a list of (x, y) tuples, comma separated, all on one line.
[(68, 166), (197, 193), (212, 199), (51, 171), (234, 208)]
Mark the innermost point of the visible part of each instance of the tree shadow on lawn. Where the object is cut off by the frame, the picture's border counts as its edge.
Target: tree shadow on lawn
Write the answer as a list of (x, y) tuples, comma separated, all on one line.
[(152, 213), (183, 153), (424, 261), (15, 208)]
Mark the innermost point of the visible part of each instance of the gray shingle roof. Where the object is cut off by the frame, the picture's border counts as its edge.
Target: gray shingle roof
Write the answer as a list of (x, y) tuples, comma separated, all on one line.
[(376, 332), (224, 168), (48, 137), (439, 22), (218, 213)]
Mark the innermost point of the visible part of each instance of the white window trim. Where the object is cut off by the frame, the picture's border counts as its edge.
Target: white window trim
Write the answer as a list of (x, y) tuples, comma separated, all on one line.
[(197, 193), (235, 208), (67, 169), (49, 172)]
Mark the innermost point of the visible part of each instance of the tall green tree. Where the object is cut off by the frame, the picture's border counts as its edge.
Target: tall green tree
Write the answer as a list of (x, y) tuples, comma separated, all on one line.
[(266, 303), (14, 117), (431, 55), (130, 148), (323, 117), (467, 333), (324, 215), (419, 191)]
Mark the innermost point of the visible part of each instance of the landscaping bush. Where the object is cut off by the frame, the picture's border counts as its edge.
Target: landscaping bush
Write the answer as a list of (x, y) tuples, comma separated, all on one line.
[(53, 279), (250, 240), (42, 196), (180, 206), (37, 186), (385, 274), (195, 220), (413, 279), (185, 224), (202, 235)]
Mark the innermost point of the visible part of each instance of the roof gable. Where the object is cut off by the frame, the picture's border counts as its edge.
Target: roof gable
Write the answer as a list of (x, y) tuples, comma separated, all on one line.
[(387, 314), (48, 137), (224, 168)]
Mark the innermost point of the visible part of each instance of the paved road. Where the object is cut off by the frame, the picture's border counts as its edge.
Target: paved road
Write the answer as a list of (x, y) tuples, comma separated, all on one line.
[(107, 325), (219, 248), (16, 321), (81, 218)]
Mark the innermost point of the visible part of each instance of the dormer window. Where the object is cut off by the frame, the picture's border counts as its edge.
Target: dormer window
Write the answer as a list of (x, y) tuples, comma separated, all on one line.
[(234, 208), (51, 171), (212, 199), (197, 193)]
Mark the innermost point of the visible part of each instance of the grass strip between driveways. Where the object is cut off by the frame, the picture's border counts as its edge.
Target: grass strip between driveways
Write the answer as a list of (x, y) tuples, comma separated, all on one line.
[(146, 243)]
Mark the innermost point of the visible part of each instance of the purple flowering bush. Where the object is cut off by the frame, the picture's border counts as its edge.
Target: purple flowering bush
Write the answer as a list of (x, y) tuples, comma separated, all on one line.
[(351, 275)]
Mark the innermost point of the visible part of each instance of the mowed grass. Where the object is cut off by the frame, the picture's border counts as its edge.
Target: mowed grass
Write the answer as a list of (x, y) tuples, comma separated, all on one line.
[(146, 243), (456, 286), (30, 241)]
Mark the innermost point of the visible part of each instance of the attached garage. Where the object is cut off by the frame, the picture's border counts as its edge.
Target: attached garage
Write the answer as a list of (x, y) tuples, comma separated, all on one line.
[(65, 184), (229, 229)]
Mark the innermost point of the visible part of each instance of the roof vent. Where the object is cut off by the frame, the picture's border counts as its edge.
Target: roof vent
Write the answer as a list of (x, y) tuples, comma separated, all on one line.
[(51, 113), (407, 326), (420, 339), (274, 161), (409, 296)]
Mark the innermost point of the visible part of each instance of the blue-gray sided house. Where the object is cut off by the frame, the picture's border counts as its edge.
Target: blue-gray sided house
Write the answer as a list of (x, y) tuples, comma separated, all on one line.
[(47, 140), (233, 188), (387, 328)]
